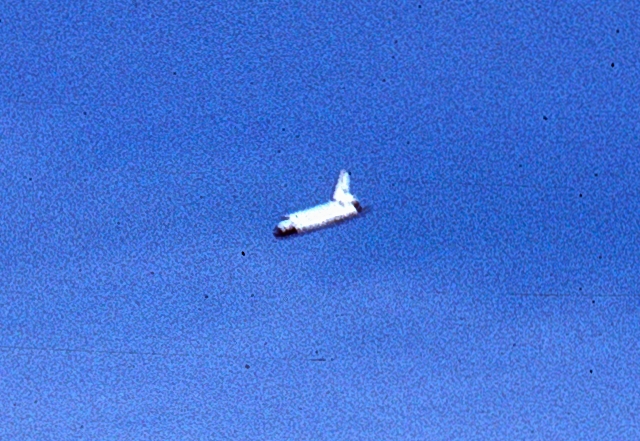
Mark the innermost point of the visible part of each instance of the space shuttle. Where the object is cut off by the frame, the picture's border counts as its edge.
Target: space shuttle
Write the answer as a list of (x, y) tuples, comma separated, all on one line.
[(342, 206)]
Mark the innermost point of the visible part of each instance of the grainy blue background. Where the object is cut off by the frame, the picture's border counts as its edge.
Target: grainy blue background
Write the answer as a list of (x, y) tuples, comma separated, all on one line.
[(491, 293)]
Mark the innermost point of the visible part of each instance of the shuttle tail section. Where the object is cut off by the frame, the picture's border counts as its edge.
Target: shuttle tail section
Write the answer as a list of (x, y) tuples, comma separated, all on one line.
[(341, 193)]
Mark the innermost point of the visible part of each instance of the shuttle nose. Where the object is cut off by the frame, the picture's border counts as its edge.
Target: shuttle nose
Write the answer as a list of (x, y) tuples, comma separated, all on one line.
[(357, 206)]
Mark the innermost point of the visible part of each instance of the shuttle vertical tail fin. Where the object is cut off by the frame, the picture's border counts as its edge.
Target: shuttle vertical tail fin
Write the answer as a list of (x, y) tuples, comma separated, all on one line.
[(341, 192)]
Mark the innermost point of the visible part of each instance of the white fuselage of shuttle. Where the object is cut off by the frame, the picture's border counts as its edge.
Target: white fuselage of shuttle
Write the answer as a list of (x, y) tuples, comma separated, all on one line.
[(343, 206), (317, 217)]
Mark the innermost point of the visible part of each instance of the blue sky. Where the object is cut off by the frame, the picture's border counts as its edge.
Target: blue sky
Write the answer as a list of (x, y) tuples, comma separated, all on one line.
[(148, 152)]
